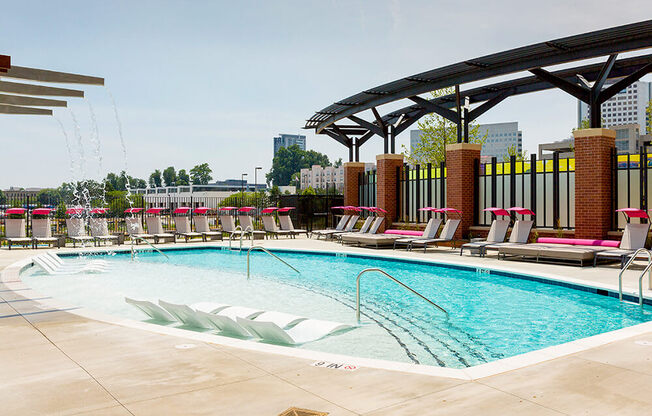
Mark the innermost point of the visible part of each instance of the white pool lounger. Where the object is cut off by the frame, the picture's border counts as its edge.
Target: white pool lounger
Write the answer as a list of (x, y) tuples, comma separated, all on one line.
[(151, 309), (305, 331), (54, 256), (209, 307), (51, 268), (282, 319), (224, 324), (234, 312), (184, 314)]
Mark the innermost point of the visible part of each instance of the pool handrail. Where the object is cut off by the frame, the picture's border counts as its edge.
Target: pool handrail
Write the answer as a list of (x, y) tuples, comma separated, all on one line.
[(242, 233), (271, 254), (357, 291), (134, 238), (640, 278)]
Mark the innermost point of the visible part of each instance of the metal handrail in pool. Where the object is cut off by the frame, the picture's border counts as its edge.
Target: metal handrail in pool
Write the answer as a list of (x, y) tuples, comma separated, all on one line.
[(640, 278), (134, 238), (242, 233), (357, 291), (271, 254)]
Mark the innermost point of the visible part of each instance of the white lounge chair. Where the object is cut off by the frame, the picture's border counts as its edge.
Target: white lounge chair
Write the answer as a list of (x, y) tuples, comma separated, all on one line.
[(365, 227), (339, 227), (42, 232), (151, 309), (634, 237), (286, 225), (202, 227), (155, 227), (247, 224), (100, 231), (135, 228), (224, 324), (58, 260), (353, 220), (228, 223), (48, 266), (184, 314), (209, 307), (428, 233), (15, 232), (271, 229), (497, 233), (305, 331), (282, 319), (520, 235), (447, 234), (77, 231), (239, 312), (372, 232), (182, 228)]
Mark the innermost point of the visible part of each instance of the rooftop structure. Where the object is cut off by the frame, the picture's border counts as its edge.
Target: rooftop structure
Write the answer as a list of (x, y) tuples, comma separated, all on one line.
[(287, 140)]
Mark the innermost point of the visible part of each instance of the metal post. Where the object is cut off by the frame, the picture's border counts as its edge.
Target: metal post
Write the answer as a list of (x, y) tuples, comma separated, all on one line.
[(533, 182), (458, 105), (398, 190), (350, 153), (407, 193), (392, 134), (512, 181), (442, 184), (555, 190), (494, 180), (429, 184), (476, 191), (466, 124), (643, 179), (417, 192), (614, 194), (357, 150)]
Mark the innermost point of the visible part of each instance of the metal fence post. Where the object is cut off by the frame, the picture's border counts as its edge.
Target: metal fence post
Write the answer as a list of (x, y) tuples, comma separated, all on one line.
[(643, 180), (442, 184), (512, 181), (417, 192), (533, 182), (494, 181), (555, 190)]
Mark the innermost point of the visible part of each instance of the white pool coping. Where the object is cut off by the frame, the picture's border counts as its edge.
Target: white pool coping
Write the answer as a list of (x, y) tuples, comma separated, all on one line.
[(10, 276)]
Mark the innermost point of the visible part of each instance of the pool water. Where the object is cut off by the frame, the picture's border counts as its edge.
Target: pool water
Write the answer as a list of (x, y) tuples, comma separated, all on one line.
[(492, 315)]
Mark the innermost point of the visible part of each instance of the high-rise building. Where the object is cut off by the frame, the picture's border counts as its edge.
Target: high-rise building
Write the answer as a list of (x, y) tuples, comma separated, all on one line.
[(286, 140), (626, 107), (499, 138)]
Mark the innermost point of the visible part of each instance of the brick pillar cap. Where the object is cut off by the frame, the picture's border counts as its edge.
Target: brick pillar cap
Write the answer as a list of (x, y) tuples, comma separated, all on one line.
[(392, 156), (353, 164), (594, 133), (463, 146)]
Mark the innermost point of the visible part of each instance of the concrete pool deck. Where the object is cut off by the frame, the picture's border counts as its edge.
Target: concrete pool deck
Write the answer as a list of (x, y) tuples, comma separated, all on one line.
[(58, 362)]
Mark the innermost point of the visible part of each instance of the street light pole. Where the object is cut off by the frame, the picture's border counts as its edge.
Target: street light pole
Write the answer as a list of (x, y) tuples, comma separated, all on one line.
[(256, 189), (242, 188)]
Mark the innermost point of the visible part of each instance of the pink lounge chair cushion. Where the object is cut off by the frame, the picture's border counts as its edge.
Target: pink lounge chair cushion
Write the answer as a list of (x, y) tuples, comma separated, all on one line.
[(405, 232), (579, 242)]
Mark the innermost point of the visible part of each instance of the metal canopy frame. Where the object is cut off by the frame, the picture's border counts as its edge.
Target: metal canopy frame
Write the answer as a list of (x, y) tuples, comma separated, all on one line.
[(584, 82), (29, 100)]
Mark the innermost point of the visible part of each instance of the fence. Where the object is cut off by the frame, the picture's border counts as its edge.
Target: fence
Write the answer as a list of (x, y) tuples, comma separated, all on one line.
[(367, 188), (631, 185), (420, 187), (312, 211)]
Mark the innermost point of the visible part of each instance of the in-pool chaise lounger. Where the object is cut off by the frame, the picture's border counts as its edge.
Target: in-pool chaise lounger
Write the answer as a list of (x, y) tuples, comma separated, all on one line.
[(303, 332), (155, 312)]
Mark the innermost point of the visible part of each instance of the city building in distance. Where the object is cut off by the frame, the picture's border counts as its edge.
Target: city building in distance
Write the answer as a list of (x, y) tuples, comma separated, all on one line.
[(499, 138), (626, 107), (318, 177), (287, 140)]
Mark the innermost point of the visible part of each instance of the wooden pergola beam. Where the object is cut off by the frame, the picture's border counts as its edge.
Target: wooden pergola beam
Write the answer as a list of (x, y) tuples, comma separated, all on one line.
[(27, 89), (31, 101), (43, 75), (13, 109)]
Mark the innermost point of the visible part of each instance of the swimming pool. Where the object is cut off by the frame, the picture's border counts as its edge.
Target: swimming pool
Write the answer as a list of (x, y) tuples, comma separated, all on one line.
[(492, 315)]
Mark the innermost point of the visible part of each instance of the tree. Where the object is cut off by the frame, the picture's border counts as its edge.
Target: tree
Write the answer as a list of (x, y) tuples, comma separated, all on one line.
[(290, 160), (155, 179), (437, 133), (169, 176), (338, 163), (48, 196), (201, 174), (183, 178), (3, 198), (648, 113), (308, 191), (513, 151), (296, 180), (119, 182)]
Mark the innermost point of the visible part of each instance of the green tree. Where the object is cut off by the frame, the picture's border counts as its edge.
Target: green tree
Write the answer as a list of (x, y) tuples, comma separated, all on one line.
[(296, 180), (201, 174), (648, 116), (155, 179), (3, 198), (290, 160), (308, 191), (118, 182), (250, 199), (183, 178), (437, 133), (513, 151), (169, 176), (338, 163), (48, 196)]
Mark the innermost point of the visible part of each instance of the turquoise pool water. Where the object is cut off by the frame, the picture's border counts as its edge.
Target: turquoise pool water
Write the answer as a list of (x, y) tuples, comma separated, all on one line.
[(491, 315)]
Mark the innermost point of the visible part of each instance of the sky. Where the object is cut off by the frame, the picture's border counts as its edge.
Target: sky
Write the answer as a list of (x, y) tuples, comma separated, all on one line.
[(215, 81)]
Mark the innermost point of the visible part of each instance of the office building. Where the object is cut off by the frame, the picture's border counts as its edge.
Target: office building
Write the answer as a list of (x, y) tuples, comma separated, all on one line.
[(626, 107), (286, 140)]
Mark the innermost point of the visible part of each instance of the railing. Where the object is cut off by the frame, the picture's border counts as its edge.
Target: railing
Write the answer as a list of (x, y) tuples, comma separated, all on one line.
[(357, 291), (242, 233), (134, 238), (640, 278), (271, 254), (418, 187)]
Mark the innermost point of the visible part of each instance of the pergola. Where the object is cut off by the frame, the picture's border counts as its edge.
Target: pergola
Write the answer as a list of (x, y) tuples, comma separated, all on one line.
[(583, 82), (27, 98)]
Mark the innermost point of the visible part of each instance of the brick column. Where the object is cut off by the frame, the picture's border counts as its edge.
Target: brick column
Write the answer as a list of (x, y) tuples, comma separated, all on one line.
[(593, 182), (460, 182), (351, 173), (386, 185)]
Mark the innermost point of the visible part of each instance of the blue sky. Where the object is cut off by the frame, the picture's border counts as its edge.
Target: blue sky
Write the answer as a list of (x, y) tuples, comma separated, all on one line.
[(214, 81)]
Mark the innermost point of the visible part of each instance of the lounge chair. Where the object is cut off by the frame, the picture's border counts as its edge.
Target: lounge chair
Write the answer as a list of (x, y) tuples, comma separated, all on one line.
[(202, 227), (366, 225), (58, 260), (100, 231), (340, 226), (155, 227), (286, 225), (428, 233), (209, 307), (371, 237), (135, 228), (51, 268), (447, 234), (282, 319), (42, 233), (228, 223), (184, 314), (224, 324), (634, 237), (271, 229), (540, 251), (240, 312), (519, 236), (497, 233), (246, 223), (305, 331), (353, 220), (183, 229), (15, 231), (152, 310), (77, 231)]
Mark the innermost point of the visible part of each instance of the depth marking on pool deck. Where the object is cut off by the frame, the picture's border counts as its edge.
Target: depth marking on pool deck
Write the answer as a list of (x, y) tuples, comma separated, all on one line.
[(335, 366)]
